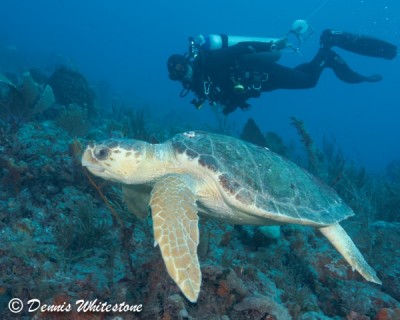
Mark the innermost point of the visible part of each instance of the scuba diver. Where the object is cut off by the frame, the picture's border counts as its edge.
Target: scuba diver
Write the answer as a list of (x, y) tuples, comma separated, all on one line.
[(228, 70)]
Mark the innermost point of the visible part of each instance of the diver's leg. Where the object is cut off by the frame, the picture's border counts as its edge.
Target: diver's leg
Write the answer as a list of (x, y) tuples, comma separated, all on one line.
[(306, 75), (361, 44), (281, 77), (345, 73), (326, 58)]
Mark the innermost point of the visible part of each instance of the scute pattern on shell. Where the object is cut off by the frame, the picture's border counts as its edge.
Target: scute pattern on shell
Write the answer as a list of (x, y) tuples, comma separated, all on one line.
[(256, 176)]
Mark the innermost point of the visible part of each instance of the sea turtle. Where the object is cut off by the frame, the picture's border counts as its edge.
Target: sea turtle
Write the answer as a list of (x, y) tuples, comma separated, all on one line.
[(221, 177)]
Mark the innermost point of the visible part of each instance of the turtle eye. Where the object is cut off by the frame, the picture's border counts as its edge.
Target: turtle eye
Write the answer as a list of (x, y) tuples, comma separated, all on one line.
[(101, 152)]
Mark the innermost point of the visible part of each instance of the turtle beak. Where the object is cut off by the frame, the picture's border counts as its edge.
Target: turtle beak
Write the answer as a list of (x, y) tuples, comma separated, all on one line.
[(89, 161)]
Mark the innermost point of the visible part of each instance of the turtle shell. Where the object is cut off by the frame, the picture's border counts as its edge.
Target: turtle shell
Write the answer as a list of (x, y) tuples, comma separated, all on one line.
[(259, 178)]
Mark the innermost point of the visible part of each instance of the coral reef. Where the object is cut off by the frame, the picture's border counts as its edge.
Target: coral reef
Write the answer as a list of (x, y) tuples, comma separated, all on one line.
[(65, 235), (21, 102), (71, 87), (132, 123), (252, 133), (74, 119)]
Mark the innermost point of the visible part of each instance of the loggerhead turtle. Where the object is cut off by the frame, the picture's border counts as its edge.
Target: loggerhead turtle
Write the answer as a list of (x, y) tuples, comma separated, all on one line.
[(222, 177)]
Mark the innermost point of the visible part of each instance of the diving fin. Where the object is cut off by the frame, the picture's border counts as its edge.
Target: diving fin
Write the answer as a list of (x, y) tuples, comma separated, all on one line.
[(344, 72), (361, 44)]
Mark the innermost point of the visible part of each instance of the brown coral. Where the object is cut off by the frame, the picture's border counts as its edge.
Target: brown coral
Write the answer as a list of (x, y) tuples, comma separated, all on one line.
[(22, 102), (71, 87), (223, 289)]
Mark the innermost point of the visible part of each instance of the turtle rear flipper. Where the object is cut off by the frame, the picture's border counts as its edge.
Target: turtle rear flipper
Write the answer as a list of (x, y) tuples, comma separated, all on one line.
[(346, 247), (175, 223)]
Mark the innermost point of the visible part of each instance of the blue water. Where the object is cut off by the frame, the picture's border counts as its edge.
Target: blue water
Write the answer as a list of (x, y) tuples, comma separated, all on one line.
[(127, 43)]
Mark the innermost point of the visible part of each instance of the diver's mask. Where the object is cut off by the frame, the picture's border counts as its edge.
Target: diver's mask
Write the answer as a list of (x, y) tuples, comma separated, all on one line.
[(178, 68), (188, 77)]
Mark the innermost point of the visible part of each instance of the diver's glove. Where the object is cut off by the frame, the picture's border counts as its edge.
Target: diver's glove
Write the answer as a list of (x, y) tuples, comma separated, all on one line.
[(244, 105), (229, 108)]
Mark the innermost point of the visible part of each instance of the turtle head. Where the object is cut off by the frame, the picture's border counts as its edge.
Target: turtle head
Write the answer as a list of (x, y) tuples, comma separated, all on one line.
[(116, 160)]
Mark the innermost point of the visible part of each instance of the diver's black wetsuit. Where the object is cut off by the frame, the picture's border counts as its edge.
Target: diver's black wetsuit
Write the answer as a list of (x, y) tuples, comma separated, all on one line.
[(232, 75), (216, 72)]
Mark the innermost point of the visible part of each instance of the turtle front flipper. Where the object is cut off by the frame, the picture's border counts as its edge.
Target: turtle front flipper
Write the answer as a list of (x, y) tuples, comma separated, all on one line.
[(137, 198), (342, 242), (175, 223)]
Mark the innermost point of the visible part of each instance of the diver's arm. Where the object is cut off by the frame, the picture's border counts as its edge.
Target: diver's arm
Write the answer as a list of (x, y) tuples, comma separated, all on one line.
[(242, 48), (226, 57)]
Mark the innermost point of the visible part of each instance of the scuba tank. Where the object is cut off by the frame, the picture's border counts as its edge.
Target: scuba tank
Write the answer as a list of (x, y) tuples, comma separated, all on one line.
[(300, 28), (219, 41)]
